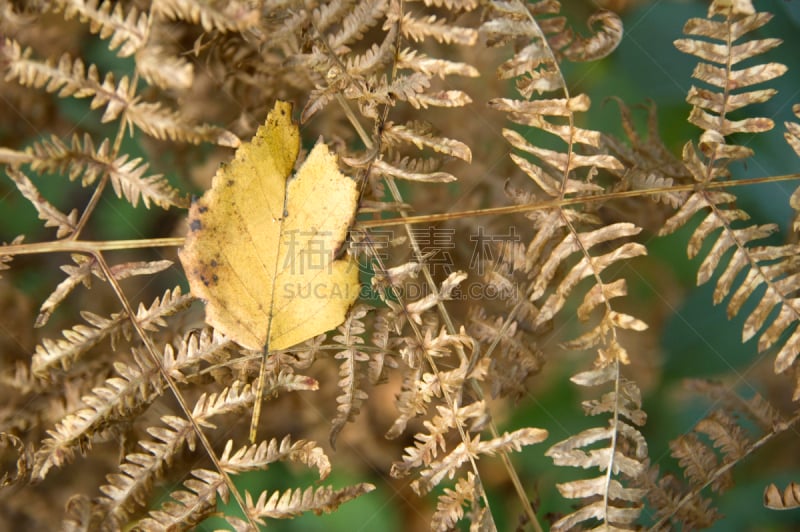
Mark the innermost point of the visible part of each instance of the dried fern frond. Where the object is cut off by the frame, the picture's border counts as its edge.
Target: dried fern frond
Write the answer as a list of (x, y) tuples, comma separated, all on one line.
[(129, 489), (774, 267), (648, 163), (119, 398), (788, 500), (757, 409), (162, 123), (162, 68), (70, 77), (710, 108), (189, 506), (420, 135), (453, 5), (396, 170), (128, 32), (221, 16), (5, 259), (441, 30), (667, 495), (259, 456), (281, 505), (587, 266), (549, 38), (427, 445), (81, 274), (792, 136), (410, 59), (464, 452), (24, 458), (350, 372), (81, 338), (556, 173), (65, 224), (516, 358), (435, 461), (124, 397), (623, 454), (450, 505), (707, 454), (356, 23), (82, 159)]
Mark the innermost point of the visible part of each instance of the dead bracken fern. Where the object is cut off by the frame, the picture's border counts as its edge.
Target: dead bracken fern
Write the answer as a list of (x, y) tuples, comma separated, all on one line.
[(123, 408)]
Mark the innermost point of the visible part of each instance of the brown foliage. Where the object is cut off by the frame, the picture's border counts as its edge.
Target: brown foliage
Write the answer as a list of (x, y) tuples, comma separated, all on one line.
[(130, 386)]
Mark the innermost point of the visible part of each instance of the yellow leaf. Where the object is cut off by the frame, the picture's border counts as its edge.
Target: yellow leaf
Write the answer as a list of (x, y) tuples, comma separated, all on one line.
[(261, 253)]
